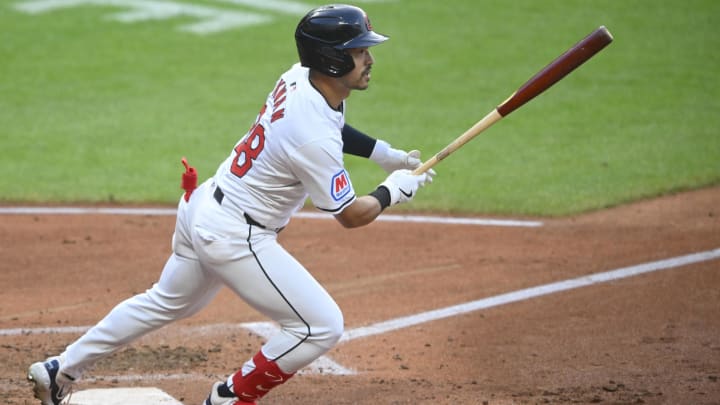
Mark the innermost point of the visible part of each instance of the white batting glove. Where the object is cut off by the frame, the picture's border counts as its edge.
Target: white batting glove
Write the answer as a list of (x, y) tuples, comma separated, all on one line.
[(413, 162), (391, 159), (403, 185)]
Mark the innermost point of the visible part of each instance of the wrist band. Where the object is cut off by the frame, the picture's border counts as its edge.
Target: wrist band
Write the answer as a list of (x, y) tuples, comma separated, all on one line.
[(383, 196)]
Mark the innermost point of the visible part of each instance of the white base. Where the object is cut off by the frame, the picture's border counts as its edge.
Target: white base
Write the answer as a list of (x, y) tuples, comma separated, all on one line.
[(122, 396)]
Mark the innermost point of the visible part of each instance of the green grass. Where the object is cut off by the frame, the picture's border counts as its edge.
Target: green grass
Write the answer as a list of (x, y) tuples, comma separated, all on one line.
[(94, 110)]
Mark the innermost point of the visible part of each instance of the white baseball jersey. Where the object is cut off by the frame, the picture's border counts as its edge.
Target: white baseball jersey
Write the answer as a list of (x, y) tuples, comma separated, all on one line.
[(293, 151)]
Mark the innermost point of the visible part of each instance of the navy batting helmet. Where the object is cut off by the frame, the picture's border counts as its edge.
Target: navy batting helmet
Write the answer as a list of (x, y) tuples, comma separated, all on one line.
[(323, 35)]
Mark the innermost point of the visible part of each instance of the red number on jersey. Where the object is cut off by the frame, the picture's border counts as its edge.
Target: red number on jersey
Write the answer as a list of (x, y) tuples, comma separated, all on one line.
[(248, 150)]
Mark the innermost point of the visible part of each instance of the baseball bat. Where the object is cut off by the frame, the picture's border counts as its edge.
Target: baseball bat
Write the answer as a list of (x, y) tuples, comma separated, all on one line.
[(549, 75)]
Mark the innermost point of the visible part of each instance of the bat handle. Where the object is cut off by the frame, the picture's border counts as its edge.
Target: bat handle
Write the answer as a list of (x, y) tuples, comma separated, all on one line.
[(492, 117), (427, 165)]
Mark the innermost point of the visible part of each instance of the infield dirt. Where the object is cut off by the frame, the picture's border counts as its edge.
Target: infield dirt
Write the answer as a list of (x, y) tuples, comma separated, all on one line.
[(652, 339)]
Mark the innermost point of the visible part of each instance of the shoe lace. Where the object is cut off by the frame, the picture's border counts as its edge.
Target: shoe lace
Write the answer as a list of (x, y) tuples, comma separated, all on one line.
[(65, 391), (69, 396)]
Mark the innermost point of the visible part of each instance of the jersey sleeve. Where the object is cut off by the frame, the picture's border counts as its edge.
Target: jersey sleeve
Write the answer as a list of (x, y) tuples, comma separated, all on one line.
[(319, 166)]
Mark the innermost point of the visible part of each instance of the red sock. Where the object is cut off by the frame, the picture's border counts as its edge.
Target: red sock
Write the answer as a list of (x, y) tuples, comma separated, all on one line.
[(266, 376)]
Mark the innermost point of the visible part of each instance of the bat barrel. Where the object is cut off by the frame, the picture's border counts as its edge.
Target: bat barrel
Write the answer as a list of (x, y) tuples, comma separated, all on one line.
[(557, 69)]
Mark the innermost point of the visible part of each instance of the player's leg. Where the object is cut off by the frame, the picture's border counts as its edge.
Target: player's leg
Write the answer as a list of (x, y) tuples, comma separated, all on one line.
[(311, 322), (183, 289), (276, 284)]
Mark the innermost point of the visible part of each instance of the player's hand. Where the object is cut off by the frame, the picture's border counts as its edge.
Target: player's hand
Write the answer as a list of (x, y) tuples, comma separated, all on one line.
[(403, 185), (413, 162), (391, 159)]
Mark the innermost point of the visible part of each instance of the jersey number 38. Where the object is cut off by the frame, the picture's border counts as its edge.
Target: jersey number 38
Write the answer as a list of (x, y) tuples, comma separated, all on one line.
[(248, 150)]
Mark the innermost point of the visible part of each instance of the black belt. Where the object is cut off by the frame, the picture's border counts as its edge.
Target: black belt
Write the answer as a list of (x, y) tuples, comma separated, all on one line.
[(220, 196)]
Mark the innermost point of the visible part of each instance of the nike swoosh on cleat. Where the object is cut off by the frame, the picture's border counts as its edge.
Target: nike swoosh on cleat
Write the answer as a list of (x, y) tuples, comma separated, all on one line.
[(275, 378)]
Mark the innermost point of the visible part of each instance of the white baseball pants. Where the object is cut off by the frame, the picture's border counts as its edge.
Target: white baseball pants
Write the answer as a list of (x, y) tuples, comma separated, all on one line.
[(213, 247)]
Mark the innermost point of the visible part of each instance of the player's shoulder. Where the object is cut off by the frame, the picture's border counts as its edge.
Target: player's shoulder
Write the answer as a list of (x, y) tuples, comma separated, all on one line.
[(295, 80), (307, 112), (297, 71)]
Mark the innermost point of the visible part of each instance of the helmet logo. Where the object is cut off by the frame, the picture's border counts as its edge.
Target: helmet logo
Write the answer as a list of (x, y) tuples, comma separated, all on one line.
[(367, 23)]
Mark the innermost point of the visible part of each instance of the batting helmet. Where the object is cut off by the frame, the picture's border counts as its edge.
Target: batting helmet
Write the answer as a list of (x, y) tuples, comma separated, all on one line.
[(323, 35)]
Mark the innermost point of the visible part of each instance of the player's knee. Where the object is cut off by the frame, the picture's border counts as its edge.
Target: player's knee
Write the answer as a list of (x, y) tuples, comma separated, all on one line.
[(329, 332), (336, 329), (322, 330)]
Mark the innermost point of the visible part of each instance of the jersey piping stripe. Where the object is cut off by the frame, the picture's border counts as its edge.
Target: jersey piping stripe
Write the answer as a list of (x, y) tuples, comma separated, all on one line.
[(307, 325), (340, 208)]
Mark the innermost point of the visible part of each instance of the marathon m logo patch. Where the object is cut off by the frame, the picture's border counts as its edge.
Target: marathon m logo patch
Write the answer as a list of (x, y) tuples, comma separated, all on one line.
[(340, 185)]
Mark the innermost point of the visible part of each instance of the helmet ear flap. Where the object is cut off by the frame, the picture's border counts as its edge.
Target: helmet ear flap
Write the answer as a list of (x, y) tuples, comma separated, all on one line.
[(325, 58), (336, 62)]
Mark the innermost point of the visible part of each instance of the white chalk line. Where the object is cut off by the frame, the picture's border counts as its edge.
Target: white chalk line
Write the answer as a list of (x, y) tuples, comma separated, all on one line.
[(528, 293), (307, 215), (412, 320), (327, 366), (40, 331)]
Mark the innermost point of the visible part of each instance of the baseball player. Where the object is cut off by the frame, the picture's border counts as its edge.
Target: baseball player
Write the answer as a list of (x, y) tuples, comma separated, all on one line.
[(226, 229)]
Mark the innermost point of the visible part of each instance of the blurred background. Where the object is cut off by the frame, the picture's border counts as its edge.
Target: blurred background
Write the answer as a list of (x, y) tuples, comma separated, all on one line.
[(100, 99)]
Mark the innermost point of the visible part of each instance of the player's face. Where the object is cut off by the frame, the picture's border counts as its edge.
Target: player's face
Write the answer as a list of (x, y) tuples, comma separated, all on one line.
[(359, 77)]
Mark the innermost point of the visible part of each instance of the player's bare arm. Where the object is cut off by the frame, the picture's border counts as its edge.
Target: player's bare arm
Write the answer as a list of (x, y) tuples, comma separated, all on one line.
[(399, 187), (361, 212)]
